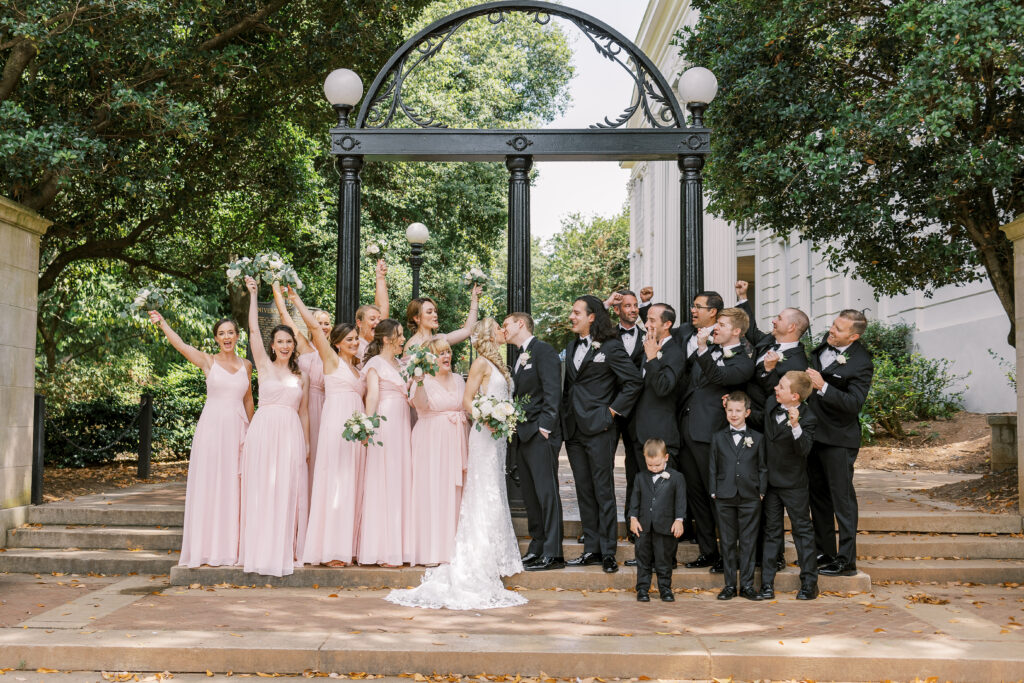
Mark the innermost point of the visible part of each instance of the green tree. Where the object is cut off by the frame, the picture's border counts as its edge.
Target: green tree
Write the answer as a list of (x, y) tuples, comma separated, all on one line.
[(890, 134), (589, 255)]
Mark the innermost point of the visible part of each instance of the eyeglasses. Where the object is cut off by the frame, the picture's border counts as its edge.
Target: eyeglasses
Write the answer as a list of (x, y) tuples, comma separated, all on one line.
[(704, 308)]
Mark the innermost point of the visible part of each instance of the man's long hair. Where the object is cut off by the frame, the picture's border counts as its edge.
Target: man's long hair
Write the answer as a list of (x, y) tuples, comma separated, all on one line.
[(601, 329)]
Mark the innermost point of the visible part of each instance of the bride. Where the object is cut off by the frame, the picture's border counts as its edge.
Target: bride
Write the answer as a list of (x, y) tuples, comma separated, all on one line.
[(486, 548)]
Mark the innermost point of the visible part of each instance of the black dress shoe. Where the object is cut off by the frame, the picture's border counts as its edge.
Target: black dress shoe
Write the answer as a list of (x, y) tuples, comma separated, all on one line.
[(630, 563), (728, 593), (584, 560), (530, 558), (767, 592), (579, 539), (668, 597), (807, 592), (749, 593), (546, 563), (839, 568), (702, 561), (718, 567), (824, 559), (610, 565), (642, 596)]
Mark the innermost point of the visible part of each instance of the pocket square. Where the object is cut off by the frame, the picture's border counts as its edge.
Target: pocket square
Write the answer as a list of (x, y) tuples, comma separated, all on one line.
[(528, 366), (599, 358), (720, 362)]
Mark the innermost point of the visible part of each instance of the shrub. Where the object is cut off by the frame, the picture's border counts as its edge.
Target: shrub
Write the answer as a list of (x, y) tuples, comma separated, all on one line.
[(178, 399), (910, 388), (109, 424), (892, 339)]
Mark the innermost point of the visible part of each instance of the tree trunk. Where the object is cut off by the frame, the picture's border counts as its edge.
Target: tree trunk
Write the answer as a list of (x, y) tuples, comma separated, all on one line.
[(995, 251)]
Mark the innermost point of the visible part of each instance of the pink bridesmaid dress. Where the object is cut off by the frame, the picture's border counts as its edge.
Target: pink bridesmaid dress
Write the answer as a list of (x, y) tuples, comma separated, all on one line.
[(439, 451), (331, 533), (274, 481), (311, 364), (210, 533), (387, 480)]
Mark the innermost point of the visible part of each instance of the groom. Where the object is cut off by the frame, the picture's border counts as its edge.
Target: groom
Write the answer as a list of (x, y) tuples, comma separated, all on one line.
[(537, 375)]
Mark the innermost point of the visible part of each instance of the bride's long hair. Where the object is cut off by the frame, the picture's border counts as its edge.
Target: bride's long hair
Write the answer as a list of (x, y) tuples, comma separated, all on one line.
[(487, 347)]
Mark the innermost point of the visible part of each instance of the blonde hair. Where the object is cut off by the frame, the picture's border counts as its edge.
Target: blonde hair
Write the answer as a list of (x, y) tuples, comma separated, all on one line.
[(438, 344), (653, 447), (737, 317), (799, 383), (364, 309), (483, 342)]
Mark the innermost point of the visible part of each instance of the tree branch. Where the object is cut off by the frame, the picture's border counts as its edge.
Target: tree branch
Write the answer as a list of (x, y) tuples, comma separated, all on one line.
[(242, 26), (22, 54)]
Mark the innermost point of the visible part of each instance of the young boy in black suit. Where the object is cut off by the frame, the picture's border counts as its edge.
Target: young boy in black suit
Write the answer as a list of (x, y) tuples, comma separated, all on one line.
[(789, 428), (656, 513), (738, 478)]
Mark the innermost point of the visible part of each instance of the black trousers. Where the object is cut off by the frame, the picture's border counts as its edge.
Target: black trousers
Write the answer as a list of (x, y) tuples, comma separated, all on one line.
[(538, 475), (833, 500), (738, 521), (795, 503), (654, 550), (694, 463), (592, 459)]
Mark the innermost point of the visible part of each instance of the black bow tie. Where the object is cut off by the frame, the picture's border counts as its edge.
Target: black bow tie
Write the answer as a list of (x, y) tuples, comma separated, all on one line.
[(832, 349), (627, 333), (781, 409), (775, 347), (737, 431), (585, 341)]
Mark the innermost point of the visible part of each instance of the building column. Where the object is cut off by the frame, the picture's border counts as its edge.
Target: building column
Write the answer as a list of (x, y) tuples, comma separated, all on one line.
[(20, 230), (347, 275), (1015, 232)]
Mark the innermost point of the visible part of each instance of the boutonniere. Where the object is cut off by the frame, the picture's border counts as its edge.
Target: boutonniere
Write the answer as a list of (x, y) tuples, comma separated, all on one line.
[(524, 357), (842, 358), (728, 353), (665, 475), (748, 442), (596, 345), (659, 355)]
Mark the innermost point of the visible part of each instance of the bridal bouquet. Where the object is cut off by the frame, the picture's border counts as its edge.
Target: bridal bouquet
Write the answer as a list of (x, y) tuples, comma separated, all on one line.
[(374, 251), (418, 364), (150, 299), (475, 277), (501, 415), (361, 428), (274, 269), (237, 271)]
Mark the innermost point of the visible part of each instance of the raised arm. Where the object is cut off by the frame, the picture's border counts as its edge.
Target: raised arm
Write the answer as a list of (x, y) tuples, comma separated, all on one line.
[(302, 344), (323, 346), (380, 294), (259, 351), (464, 333), (193, 355)]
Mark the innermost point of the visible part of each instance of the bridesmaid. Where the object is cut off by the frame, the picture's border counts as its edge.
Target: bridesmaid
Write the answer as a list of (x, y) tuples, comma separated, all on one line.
[(276, 454), (368, 316), (210, 533), (439, 453), (421, 316), (387, 483), (312, 366), (330, 535)]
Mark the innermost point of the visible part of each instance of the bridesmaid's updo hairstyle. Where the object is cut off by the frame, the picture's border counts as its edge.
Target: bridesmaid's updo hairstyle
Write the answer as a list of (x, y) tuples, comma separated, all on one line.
[(413, 312), (338, 333), (486, 346), (293, 363), (224, 321), (386, 329)]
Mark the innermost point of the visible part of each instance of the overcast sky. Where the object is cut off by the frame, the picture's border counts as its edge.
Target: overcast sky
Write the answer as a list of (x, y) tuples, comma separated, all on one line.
[(599, 89)]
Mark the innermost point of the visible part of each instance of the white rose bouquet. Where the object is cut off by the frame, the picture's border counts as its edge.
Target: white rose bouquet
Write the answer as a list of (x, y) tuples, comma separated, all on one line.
[(501, 415), (475, 277), (419, 363), (150, 299), (362, 428), (273, 268), (374, 251), (239, 269)]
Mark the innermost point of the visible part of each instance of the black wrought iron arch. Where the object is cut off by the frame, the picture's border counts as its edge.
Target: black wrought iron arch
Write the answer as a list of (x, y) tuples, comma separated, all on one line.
[(383, 100)]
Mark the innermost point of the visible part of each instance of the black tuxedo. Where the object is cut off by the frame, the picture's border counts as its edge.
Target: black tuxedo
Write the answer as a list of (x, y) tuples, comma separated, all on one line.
[(712, 375), (836, 444), (737, 478), (787, 489), (753, 335), (539, 377), (762, 384), (605, 379), (656, 505), (634, 460)]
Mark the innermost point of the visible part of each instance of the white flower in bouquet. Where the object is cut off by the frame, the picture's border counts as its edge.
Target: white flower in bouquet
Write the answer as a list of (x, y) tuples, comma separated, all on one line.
[(475, 277), (362, 428), (373, 250), (149, 299), (419, 363)]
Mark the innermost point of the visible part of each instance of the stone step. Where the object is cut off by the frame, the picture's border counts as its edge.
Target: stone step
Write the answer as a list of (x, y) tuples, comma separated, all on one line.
[(563, 656), (112, 537), (590, 578), (968, 571), (110, 515), (686, 552), (953, 546), (47, 561)]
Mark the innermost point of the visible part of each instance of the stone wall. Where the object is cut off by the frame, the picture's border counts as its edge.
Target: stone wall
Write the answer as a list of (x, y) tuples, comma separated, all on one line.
[(20, 229)]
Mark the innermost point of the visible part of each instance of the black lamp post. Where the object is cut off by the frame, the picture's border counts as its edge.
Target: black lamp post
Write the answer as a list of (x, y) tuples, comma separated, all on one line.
[(343, 89), (697, 88), (417, 235)]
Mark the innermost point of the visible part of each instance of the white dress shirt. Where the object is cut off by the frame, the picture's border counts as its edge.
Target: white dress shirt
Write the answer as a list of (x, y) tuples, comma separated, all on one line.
[(783, 347), (782, 417), (629, 341), (691, 345), (827, 357), (582, 346), (519, 361)]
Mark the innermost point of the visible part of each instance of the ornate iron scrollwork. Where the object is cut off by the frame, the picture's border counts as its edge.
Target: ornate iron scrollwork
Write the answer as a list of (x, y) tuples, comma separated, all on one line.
[(651, 97), (519, 142)]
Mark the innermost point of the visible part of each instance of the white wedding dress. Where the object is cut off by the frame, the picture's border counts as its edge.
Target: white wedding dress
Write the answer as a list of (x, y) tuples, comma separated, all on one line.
[(486, 548)]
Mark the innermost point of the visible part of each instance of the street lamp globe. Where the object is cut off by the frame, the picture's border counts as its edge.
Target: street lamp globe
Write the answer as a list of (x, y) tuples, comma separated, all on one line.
[(417, 233), (343, 89), (697, 88)]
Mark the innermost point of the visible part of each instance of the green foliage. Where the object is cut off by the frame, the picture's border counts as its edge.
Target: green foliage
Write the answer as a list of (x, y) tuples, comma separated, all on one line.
[(178, 399), (892, 339), (587, 256), (887, 134), (909, 388), (1009, 369), (104, 427)]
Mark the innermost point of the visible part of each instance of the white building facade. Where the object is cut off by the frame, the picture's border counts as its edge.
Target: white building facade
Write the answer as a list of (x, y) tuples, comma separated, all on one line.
[(958, 323)]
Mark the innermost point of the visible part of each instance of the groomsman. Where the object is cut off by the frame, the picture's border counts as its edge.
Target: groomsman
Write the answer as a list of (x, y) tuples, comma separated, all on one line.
[(601, 382), (537, 375), (654, 416), (717, 369), (841, 372)]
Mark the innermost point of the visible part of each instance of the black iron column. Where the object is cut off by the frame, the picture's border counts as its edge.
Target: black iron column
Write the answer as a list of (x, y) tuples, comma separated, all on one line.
[(518, 270), (416, 261), (691, 237), (347, 279)]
